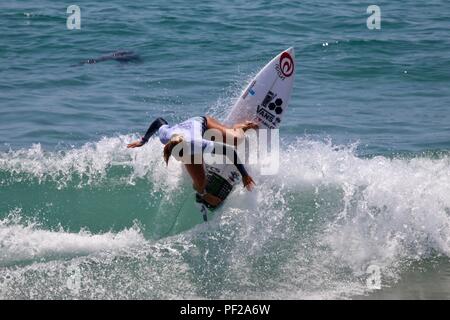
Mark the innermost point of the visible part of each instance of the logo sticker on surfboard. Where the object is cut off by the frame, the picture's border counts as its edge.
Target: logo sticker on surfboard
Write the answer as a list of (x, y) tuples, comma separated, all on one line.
[(250, 90), (285, 67), (270, 109)]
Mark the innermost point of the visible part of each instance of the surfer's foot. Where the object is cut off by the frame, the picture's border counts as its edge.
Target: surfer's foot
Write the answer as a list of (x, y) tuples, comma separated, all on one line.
[(246, 125), (212, 200), (238, 130), (233, 135)]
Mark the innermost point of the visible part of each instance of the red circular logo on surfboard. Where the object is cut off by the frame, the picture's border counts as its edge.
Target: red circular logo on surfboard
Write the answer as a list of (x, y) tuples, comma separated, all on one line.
[(286, 64)]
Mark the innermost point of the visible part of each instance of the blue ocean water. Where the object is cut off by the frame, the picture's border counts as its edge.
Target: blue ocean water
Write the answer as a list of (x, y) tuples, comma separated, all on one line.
[(365, 172)]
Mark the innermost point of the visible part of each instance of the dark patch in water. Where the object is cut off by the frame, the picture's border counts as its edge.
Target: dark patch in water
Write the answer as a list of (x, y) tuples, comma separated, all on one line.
[(120, 56)]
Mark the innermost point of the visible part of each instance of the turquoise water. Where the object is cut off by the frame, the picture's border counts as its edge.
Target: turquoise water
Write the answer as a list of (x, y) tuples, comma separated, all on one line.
[(364, 174)]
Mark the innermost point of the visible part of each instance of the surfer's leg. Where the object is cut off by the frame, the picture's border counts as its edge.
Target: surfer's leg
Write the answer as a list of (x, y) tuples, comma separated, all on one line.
[(198, 175), (236, 132)]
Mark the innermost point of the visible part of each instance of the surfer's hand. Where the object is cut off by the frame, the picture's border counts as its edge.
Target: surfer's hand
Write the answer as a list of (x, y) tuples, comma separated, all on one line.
[(135, 144), (248, 182)]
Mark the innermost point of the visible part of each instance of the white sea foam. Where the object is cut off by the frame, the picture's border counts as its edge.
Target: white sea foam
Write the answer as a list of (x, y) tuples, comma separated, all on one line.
[(309, 232), (89, 163), (24, 241)]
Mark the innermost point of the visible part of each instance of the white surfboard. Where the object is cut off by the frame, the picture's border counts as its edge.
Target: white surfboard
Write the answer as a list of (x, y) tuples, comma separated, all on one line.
[(265, 101)]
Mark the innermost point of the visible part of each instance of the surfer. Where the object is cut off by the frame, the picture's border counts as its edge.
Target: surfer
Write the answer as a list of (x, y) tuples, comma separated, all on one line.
[(188, 136)]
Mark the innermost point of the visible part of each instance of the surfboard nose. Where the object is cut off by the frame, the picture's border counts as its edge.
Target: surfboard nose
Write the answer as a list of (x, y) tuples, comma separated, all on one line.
[(290, 50)]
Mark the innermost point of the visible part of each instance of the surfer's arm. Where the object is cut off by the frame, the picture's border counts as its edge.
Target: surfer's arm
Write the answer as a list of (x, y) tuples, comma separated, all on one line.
[(230, 152), (152, 129)]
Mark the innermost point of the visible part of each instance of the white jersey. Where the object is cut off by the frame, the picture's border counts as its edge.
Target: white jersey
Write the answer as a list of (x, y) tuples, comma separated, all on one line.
[(192, 131)]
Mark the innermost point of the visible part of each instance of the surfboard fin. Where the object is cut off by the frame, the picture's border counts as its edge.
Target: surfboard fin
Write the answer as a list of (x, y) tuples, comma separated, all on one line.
[(203, 210), (201, 207)]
